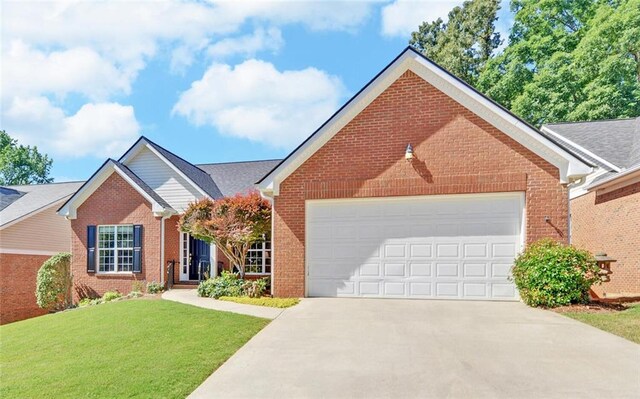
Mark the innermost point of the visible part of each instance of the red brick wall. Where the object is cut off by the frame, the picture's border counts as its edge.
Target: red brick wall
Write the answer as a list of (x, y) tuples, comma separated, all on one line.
[(172, 245), (456, 152), (610, 223), (114, 202), (18, 286)]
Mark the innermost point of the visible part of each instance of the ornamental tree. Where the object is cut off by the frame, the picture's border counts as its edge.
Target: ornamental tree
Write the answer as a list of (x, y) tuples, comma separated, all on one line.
[(231, 223)]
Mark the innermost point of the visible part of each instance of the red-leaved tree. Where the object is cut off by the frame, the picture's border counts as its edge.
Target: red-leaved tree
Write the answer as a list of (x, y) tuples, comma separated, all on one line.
[(231, 223)]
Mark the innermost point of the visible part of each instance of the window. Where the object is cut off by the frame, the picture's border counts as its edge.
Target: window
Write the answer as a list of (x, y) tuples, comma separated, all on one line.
[(258, 258), (115, 249)]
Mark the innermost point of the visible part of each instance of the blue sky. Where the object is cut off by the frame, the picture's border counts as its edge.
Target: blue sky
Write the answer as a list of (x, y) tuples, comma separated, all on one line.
[(210, 81)]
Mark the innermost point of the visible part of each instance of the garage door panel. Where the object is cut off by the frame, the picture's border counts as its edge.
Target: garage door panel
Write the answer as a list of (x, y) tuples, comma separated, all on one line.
[(447, 289), (475, 270), (369, 270), (417, 269), (447, 250), (475, 290), (421, 289), (394, 269), (446, 269), (420, 250), (475, 250), (371, 288), (413, 247), (394, 288)]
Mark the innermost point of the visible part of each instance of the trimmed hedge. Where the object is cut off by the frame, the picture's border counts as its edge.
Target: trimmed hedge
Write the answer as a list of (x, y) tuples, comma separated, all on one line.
[(53, 283), (551, 274)]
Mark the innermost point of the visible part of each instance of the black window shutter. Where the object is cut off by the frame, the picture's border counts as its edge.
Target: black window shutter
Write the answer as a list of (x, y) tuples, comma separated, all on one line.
[(137, 248), (91, 249)]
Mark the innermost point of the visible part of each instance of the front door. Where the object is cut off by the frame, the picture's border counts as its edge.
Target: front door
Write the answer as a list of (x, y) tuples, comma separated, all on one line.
[(199, 262)]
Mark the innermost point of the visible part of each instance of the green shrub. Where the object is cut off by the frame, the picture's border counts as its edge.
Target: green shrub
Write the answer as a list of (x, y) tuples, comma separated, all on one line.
[(53, 283), (154, 288), (110, 296), (134, 294), (255, 288), (227, 284), (550, 274), (263, 301)]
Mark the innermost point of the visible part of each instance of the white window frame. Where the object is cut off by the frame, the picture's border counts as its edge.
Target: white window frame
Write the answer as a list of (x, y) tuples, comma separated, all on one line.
[(115, 249), (263, 267)]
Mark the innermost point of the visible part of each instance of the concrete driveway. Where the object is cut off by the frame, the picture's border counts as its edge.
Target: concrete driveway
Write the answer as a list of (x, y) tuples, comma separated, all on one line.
[(368, 348)]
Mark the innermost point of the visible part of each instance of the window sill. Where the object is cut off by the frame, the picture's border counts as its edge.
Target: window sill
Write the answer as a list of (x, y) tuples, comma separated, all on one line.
[(256, 274), (113, 273)]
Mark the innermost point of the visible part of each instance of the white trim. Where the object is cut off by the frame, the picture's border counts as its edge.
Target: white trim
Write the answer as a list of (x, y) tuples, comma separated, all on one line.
[(622, 179), (142, 144), (35, 212), (184, 276), (213, 259), (546, 129), (581, 189), (69, 210), (16, 251), (570, 166)]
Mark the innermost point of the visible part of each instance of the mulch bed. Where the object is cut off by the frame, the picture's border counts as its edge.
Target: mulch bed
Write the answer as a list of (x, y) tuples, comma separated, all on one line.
[(593, 307)]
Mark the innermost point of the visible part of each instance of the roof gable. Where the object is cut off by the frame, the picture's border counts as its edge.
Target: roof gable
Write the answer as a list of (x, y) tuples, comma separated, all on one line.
[(158, 205), (198, 178), (570, 165)]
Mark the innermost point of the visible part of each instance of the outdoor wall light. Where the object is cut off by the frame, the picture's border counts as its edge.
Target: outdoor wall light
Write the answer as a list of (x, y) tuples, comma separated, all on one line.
[(408, 155)]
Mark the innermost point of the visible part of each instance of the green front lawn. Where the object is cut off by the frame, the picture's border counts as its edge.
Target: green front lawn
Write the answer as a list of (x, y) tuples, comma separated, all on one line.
[(625, 323), (133, 349)]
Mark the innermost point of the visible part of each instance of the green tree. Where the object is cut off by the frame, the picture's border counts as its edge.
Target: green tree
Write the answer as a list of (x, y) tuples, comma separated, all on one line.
[(21, 164), (465, 42), (569, 60)]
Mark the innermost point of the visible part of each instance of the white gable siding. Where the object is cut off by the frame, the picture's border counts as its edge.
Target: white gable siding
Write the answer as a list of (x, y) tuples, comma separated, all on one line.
[(45, 231), (164, 180)]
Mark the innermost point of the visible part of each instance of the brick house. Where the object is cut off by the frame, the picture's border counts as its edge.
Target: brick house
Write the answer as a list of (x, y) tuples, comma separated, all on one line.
[(605, 209), (30, 233), (418, 187), (124, 221)]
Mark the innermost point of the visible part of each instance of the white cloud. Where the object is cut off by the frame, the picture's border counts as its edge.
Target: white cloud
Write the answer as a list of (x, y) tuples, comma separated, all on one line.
[(96, 49), (248, 45), (254, 100), (80, 70), (100, 129), (402, 17)]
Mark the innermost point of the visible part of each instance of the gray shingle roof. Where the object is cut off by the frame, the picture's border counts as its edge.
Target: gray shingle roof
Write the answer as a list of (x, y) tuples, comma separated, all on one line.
[(617, 141), (8, 196), (144, 186), (34, 198), (238, 177), (197, 175)]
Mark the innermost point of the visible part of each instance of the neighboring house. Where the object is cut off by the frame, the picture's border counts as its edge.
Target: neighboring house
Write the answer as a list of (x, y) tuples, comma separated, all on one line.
[(124, 220), (419, 187), (30, 233), (605, 209)]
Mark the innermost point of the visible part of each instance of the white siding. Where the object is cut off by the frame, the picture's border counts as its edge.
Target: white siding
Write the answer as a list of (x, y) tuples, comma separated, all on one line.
[(172, 187), (43, 231)]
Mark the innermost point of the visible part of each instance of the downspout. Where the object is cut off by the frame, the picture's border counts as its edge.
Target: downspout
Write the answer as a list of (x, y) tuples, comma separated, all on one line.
[(573, 184)]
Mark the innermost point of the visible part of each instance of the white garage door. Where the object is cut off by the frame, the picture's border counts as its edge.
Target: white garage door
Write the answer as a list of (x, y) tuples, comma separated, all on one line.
[(450, 247)]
